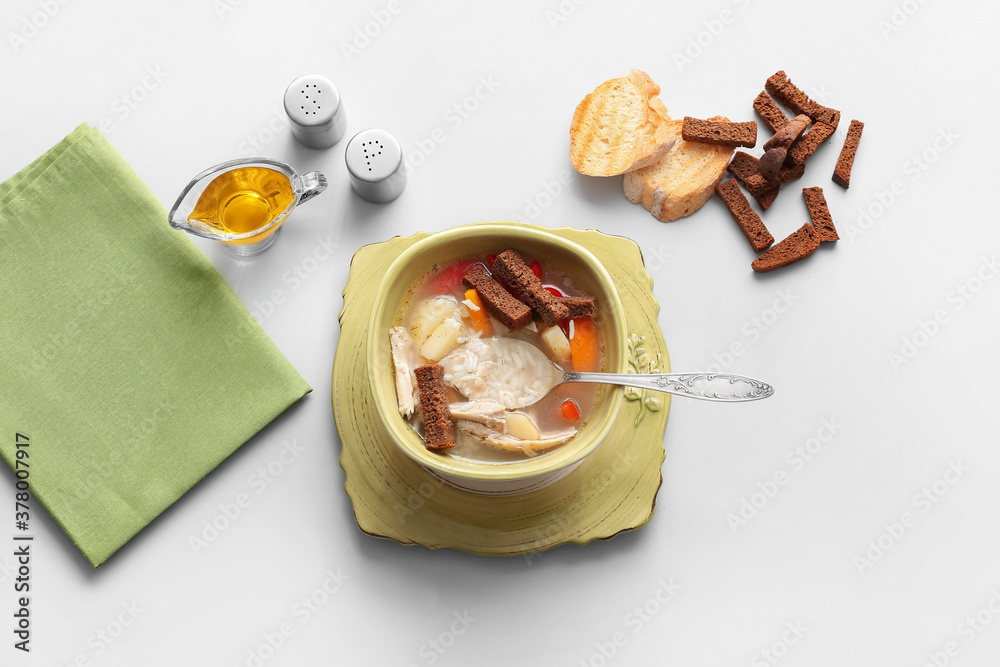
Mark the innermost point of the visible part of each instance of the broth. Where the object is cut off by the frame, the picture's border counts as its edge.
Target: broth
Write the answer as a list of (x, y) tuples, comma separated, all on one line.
[(426, 322)]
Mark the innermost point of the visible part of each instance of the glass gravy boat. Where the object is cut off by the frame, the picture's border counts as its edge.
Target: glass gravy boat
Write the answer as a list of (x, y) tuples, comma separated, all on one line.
[(242, 203)]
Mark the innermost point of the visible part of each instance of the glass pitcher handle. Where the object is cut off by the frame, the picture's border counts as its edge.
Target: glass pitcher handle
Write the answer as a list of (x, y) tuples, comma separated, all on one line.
[(313, 183)]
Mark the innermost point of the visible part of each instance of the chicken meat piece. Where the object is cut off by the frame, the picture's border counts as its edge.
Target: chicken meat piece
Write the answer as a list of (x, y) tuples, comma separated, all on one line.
[(509, 443), (490, 414), (399, 341)]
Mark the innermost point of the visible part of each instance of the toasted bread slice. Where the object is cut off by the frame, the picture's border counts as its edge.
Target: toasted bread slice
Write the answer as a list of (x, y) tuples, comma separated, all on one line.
[(620, 127), (680, 182)]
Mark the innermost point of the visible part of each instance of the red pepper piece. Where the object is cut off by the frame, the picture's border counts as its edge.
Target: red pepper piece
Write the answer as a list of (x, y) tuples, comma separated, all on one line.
[(570, 410), (450, 278)]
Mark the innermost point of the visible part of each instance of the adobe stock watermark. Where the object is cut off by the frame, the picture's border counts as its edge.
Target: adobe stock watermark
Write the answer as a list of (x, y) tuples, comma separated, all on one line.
[(913, 169), (562, 12), (966, 632), (796, 458), (549, 534), (254, 144), (957, 298), (634, 622), (752, 330), (138, 430), (431, 650), (779, 648), (230, 511), (899, 16), (129, 101), (8, 568), (301, 612), (365, 34), (225, 7), (48, 347), (705, 38), (558, 525), (453, 117), (34, 23), (417, 498), (293, 278), (543, 198), (656, 258), (921, 503), (105, 636)]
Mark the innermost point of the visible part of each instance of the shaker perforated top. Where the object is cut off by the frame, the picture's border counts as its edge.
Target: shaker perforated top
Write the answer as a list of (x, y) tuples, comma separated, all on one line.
[(315, 111), (375, 165)]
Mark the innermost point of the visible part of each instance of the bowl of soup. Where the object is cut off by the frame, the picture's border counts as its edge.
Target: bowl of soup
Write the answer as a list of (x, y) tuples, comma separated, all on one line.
[(448, 308)]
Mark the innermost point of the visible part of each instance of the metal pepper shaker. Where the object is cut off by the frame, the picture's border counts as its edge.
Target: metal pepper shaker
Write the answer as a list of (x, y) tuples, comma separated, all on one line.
[(375, 165)]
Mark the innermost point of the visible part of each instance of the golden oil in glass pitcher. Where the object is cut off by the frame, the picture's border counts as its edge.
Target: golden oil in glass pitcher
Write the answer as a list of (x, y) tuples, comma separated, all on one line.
[(243, 200)]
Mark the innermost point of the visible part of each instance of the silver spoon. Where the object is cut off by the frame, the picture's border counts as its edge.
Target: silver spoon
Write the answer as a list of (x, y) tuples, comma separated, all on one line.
[(724, 387)]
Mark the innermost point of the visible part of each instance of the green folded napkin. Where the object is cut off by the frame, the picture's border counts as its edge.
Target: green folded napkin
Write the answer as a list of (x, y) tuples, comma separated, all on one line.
[(126, 361)]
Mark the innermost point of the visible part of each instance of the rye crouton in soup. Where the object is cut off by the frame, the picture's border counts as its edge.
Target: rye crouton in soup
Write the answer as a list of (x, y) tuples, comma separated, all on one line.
[(457, 327)]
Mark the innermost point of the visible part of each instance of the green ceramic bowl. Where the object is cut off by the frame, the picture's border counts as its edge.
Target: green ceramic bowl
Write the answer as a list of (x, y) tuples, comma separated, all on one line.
[(477, 239)]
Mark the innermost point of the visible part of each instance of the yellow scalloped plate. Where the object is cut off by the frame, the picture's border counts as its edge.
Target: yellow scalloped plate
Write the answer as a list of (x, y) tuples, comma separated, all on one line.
[(613, 490)]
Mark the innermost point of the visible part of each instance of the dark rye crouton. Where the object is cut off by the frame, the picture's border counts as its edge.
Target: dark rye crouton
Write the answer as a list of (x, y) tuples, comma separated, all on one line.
[(776, 148), (747, 219), (797, 245), (743, 166), (499, 302), (785, 172), (770, 163), (769, 112), (766, 198), (746, 169), (819, 213), (786, 92), (784, 137), (510, 266), (807, 144), (842, 172), (720, 133), (579, 306), (439, 431)]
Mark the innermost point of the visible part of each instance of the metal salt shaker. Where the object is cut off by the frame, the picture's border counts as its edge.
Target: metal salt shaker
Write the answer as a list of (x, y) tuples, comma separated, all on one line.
[(315, 111)]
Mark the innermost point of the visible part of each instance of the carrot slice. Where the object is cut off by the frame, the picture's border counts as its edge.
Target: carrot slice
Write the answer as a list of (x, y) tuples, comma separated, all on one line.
[(480, 320), (584, 345)]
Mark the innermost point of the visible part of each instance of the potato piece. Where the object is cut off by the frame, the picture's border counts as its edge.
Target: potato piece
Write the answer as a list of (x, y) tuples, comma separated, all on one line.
[(521, 426), (430, 314), (443, 340), (558, 344)]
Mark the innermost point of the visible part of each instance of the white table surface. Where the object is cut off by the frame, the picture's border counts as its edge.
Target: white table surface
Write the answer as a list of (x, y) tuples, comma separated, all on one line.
[(184, 85)]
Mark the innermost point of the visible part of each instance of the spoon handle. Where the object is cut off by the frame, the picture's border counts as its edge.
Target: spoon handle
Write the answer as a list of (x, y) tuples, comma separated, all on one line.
[(707, 386)]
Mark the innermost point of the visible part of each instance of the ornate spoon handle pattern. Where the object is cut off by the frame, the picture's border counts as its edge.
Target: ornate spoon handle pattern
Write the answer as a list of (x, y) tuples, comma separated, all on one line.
[(706, 386)]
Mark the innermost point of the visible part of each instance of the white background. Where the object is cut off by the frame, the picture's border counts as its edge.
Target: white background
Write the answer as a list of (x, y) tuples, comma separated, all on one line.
[(927, 87)]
